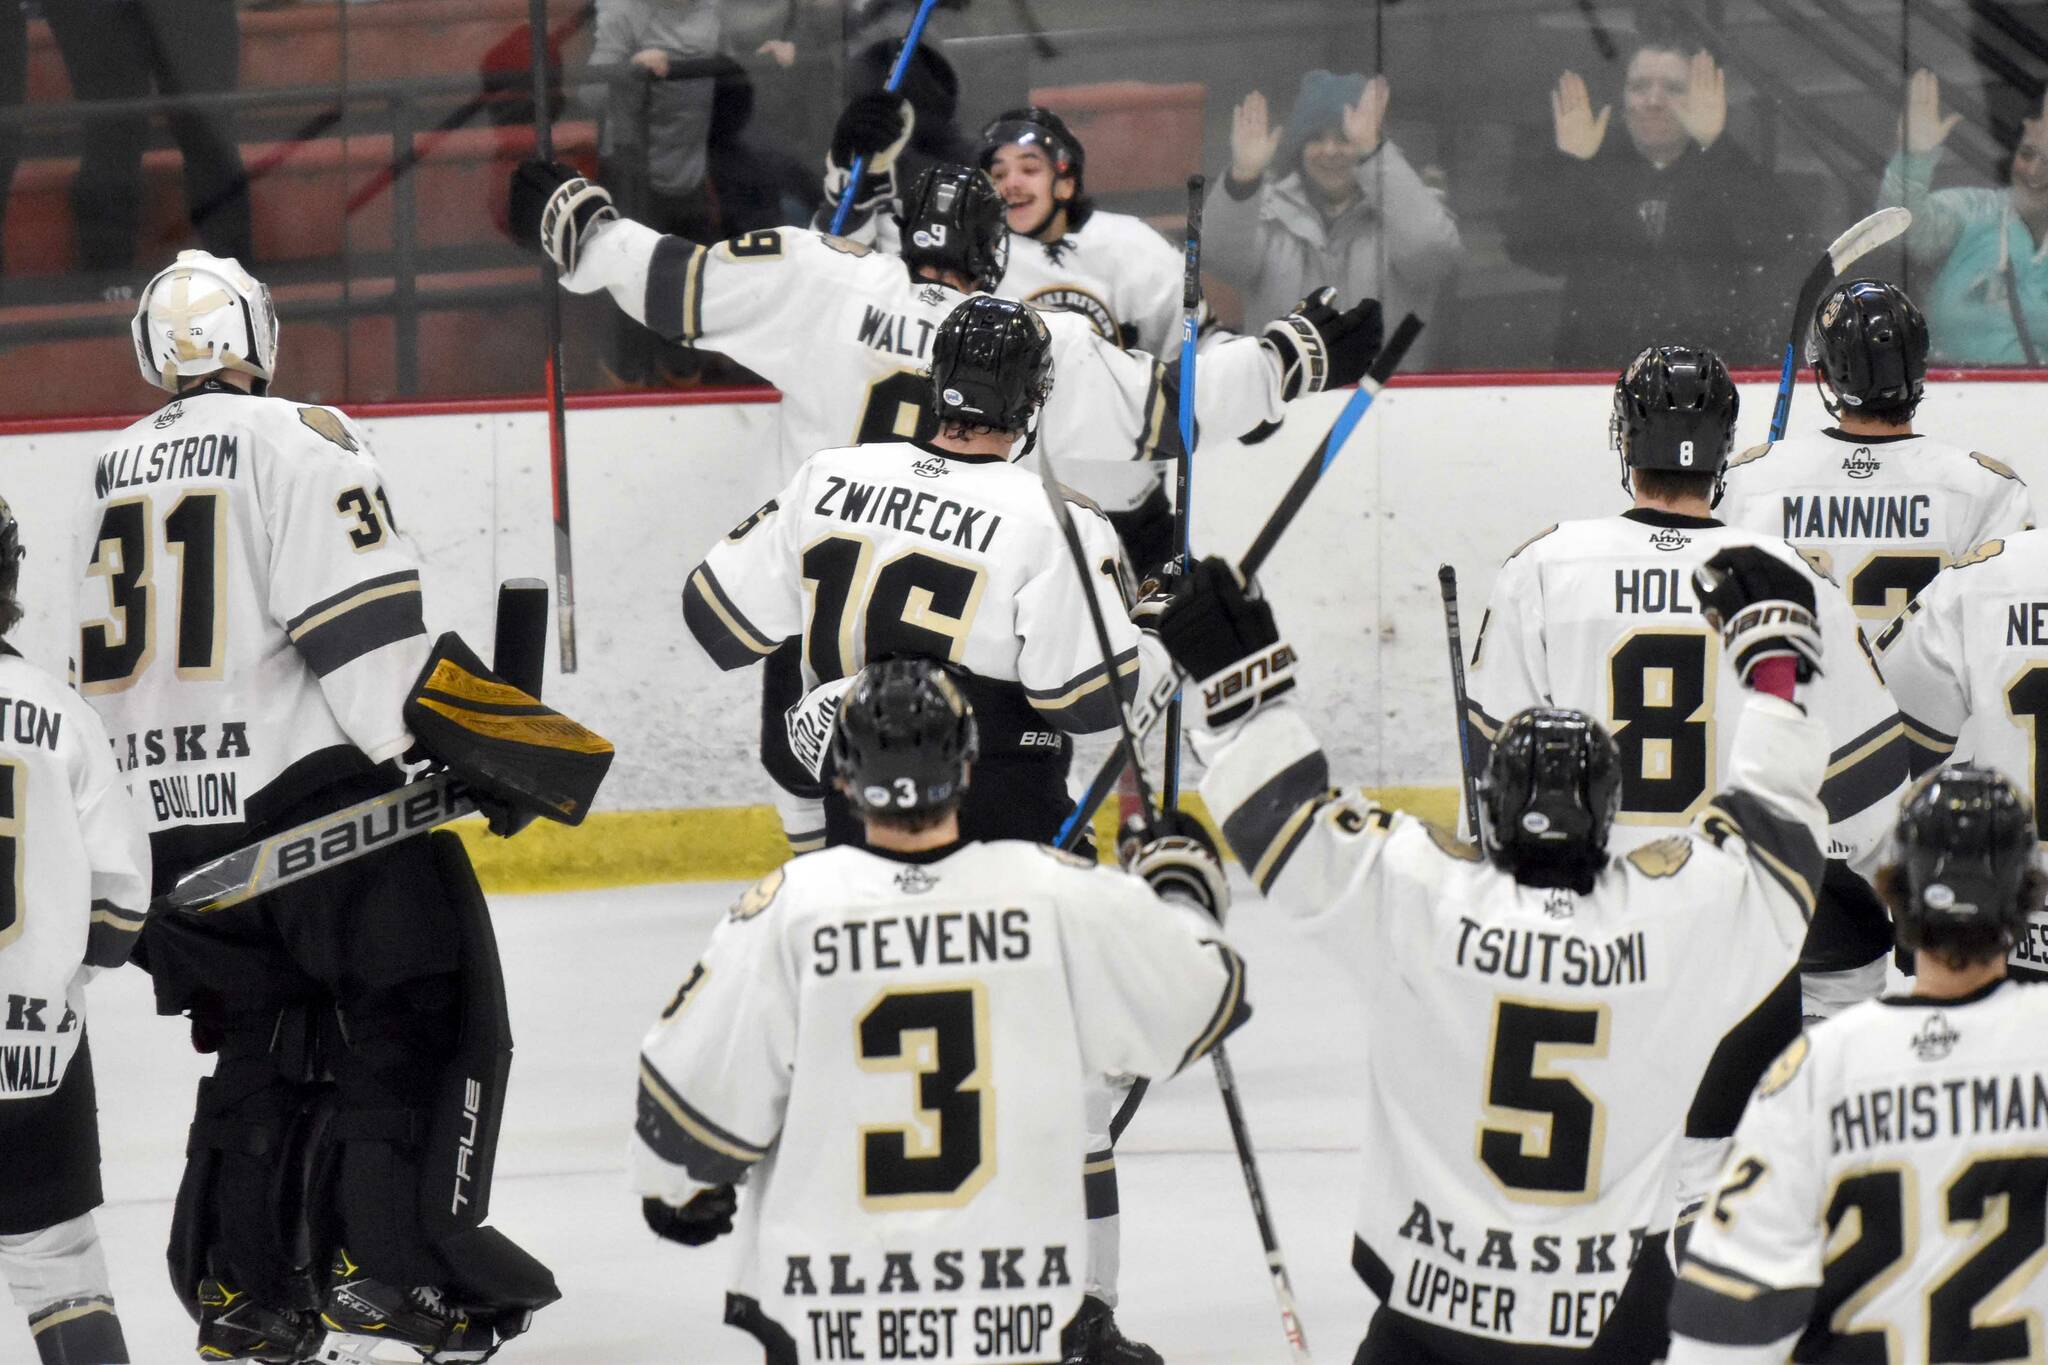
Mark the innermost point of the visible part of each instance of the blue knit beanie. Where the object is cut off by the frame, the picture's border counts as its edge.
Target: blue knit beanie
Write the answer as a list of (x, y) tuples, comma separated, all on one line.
[(1318, 108)]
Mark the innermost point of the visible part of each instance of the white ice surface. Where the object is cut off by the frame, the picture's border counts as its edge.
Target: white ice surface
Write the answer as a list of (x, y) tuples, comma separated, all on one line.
[(587, 972)]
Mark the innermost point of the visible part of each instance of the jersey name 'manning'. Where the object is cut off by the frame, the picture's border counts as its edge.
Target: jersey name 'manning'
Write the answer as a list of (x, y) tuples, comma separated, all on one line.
[(247, 609), (1881, 515), (890, 1054)]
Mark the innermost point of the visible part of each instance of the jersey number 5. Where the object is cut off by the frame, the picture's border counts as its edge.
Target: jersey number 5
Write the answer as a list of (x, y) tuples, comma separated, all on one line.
[(942, 1159), (114, 650), (1542, 1138)]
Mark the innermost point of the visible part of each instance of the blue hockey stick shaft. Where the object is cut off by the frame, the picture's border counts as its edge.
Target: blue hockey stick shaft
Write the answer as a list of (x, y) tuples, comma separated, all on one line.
[(1184, 471), (892, 85)]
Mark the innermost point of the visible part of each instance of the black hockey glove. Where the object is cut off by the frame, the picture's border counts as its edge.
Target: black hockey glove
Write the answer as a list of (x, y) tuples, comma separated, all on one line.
[(876, 125), (1763, 607), (554, 209), (1179, 861), (706, 1218), (1321, 348), (1225, 638)]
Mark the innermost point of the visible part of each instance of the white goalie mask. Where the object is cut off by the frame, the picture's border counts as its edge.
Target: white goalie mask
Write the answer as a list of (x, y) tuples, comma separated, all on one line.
[(203, 314)]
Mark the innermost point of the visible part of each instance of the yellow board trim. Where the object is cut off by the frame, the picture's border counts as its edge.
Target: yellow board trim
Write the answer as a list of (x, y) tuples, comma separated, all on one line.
[(733, 843)]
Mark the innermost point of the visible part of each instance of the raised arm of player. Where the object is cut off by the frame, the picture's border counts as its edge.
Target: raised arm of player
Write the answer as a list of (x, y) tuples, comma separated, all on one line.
[(1867, 761), (745, 599), (344, 583), (715, 1068), (1059, 663)]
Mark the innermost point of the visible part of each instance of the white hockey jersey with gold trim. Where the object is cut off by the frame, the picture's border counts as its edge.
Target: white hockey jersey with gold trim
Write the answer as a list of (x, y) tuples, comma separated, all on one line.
[(845, 332), (902, 548), (1598, 615), (1968, 664), (1531, 1053), (1880, 515), (246, 604), (1885, 1197), (890, 1051), (74, 873)]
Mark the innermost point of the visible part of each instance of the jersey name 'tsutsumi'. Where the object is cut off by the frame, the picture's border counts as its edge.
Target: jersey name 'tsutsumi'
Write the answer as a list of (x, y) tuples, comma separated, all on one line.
[(1881, 515), (1599, 616), (245, 602), (1884, 1198), (1968, 664), (74, 874), (1520, 1145), (846, 332), (891, 1055), (899, 548)]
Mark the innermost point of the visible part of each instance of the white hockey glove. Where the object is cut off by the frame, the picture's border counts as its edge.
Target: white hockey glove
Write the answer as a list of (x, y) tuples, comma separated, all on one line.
[(876, 125), (1763, 607), (1224, 636), (555, 208), (1179, 862), (810, 723), (1320, 348)]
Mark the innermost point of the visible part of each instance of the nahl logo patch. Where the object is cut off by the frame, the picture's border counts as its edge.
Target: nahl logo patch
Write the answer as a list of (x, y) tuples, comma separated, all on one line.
[(1861, 464), (170, 414), (1669, 538), (915, 881), (931, 467), (1936, 1038)]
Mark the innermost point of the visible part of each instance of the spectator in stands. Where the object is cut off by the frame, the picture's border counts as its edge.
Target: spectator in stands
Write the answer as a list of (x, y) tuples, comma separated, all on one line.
[(127, 49), (13, 86), (1669, 230), (1327, 199), (1988, 301), (754, 185)]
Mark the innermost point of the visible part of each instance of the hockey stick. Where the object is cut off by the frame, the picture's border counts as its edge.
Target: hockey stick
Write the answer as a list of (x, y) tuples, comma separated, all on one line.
[(551, 311), (1147, 710), (1858, 242), (1184, 467), (1447, 581), (1283, 1285), (892, 85), (517, 653)]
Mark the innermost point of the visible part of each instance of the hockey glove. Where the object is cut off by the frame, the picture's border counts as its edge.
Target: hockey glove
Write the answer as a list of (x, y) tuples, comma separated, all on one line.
[(555, 208), (1179, 862), (1320, 348), (876, 125), (1225, 637), (1763, 607), (706, 1218)]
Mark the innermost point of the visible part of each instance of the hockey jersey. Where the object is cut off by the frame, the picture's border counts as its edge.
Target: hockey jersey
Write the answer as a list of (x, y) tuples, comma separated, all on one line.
[(1884, 1199), (845, 332), (1599, 616), (1531, 1053), (890, 1051), (249, 615), (902, 548), (74, 874), (1880, 515), (1968, 664)]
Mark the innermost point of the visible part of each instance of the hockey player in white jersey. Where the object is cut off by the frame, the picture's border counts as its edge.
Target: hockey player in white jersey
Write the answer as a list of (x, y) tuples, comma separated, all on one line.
[(74, 890), (250, 630), (1540, 1010), (1968, 664), (1885, 1200), (1874, 504), (885, 1048), (1597, 615)]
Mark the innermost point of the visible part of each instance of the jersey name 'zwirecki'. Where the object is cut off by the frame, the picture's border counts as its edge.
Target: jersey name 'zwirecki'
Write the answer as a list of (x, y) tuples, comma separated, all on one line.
[(948, 522)]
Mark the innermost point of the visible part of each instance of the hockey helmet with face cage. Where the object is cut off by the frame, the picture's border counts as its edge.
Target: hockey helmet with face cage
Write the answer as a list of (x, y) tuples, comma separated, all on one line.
[(953, 220), (904, 738), (1966, 852), (203, 314), (991, 364), (1548, 798)]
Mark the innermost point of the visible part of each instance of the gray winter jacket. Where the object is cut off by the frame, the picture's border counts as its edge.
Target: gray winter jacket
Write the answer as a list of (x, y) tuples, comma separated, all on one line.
[(1396, 241), (678, 113)]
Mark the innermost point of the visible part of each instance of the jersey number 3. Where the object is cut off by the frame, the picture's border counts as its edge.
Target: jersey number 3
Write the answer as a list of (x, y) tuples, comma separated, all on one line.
[(943, 1157)]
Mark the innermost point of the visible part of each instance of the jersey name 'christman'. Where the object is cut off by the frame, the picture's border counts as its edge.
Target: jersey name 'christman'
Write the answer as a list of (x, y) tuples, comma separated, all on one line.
[(901, 548), (1968, 663), (1881, 515), (845, 332), (1520, 1158), (1884, 1197), (249, 617), (890, 1053), (1599, 616)]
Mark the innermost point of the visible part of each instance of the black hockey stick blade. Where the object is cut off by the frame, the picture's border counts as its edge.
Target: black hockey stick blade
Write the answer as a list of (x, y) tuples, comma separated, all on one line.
[(317, 845), (1866, 236), (519, 650), (1447, 583)]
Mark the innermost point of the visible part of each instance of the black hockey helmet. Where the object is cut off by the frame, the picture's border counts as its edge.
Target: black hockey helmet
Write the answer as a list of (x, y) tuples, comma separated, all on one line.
[(1964, 861), (1548, 797), (1869, 347), (1036, 126), (1674, 409), (904, 737), (10, 569), (991, 364), (953, 220)]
